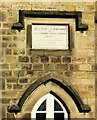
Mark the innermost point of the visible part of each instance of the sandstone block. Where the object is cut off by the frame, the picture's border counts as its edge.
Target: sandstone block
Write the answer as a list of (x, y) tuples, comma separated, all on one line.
[(2, 83), (4, 66), (66, 59), (19, 51), (18, 86), (26, 66), (23, 59), (4, 44), (8, 86), (5, 100), (7, 38), (6, 73), (35, 59), (56, 59), (8, 51), (44, 58), (12, 45), (2, 16), (73, 67), (49, 67), (23, 80), (11, 80), (7, 25), (38, 67), (63, 67)]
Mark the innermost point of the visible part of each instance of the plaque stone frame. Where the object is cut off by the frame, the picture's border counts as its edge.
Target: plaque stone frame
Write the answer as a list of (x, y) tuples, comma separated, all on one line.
[(20, 25)]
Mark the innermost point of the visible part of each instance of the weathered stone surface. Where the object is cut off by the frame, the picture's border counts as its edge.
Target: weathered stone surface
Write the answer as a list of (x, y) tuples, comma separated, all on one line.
[(19, 38), (5, 100), (17, 86), (6, 38), (56, 59), (23, 59), (4, 44), (49, 67), (73, 67), (35, 59), (6, 73), (11, 80), (44, 58), (26, 66), (12, 45), (9, 32), (9, 86), (19, 51), (66, 59), (38, 67), (8, 51), (23, 80), (7, 25), (63, 67), (2, 16), (10, 116), (4, 66), (2, 83)]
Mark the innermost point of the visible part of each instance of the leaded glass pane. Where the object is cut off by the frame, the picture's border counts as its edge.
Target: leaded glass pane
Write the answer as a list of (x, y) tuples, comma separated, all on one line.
[(42, 107), (58, 116), (40, 116), (57, 106)]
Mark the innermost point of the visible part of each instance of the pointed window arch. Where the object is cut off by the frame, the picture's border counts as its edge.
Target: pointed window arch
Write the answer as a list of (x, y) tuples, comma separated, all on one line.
[(49, 107)]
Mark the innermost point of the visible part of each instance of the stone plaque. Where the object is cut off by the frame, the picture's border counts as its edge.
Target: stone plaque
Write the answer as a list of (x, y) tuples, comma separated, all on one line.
[(50, 36)]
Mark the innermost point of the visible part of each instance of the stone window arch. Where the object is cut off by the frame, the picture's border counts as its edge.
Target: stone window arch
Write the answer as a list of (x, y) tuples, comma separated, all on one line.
[(58, 87)]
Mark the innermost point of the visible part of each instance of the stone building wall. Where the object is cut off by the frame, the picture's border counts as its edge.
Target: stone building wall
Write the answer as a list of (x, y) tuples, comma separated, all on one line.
[(20, 67)]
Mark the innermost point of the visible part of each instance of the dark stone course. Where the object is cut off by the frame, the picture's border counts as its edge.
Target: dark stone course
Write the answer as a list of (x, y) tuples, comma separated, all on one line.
[(17, 86), (34, 59), (23, 80), (56, 59), (26, 66), (66, 59), (48, 67), (6, 38), (23, 59), (73, 67), (4, 44), (2, 16), (11, 80), (6, 73), (4, 66), (44, 58), (38, 67), (61, 67), (5, 100), (8, 51)]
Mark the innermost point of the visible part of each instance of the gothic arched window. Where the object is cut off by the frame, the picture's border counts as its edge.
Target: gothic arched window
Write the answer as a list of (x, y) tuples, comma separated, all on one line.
[(49, 107)]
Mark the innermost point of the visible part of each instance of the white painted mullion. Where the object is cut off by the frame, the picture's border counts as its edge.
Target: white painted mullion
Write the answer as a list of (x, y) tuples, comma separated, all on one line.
[(52, 106), (48, 106)]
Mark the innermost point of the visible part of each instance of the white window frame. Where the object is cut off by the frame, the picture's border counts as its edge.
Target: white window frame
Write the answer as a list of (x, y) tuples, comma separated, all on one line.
[(50, 107)]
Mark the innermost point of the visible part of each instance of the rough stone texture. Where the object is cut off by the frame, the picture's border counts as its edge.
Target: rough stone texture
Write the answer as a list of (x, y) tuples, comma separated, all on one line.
[(21, 66), (23, 59)]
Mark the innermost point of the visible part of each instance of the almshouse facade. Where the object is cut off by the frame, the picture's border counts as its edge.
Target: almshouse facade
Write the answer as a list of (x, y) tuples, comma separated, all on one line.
[(48, 61)]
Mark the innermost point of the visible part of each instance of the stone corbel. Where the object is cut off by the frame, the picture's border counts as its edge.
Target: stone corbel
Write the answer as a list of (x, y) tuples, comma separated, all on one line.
[(14, 109)]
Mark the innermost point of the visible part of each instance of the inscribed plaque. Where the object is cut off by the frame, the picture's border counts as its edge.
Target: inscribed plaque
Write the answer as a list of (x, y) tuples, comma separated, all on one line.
[(47, 36)]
